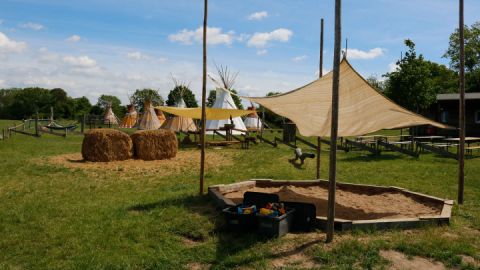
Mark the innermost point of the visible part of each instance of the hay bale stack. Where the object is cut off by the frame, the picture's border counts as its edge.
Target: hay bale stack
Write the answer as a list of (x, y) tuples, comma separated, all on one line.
[(102, 145), (155, 144)]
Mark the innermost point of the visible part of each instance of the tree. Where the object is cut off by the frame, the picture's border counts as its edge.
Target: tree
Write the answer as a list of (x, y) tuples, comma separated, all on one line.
[(30, 100), (105, 100), (376, 83), (140, 96), (472, 55), (472, 48), (81, 106), (62, 104), (212, 96), (182, 91), (411, 85)]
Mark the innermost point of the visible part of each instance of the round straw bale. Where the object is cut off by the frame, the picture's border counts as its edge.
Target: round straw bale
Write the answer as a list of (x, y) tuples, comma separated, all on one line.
[(102, 145), (154, 144)]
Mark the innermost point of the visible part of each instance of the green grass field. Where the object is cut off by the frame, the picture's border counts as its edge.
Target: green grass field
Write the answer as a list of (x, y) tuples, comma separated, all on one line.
[(52, 217)]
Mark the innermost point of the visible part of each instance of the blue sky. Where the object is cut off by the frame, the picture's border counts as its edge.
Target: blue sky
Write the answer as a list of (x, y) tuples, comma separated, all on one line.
[(104, 46)]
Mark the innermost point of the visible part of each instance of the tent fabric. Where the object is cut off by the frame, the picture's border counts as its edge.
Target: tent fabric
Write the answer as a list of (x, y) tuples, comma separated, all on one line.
[(224, 100), (109, 117), (149, 119), (178, 122), (196, 113), (130, 118), (252, 121), (362, 109)]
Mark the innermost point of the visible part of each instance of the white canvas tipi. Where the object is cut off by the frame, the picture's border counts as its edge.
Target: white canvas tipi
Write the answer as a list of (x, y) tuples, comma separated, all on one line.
[(252, 121), (225, 101)]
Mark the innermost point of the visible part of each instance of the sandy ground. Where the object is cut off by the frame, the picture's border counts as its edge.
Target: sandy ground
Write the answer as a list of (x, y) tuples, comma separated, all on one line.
[(349, 205), (184, 160), (398, 261)]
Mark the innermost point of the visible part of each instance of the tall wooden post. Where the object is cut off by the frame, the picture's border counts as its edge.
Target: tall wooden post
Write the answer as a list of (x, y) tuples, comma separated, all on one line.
[(461, 146), (36, 124), (320, 74), (204, 94), (334, 125), (82, 124)]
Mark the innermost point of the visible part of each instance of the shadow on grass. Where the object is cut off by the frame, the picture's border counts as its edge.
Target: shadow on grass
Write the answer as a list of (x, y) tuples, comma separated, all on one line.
[(231, 247)]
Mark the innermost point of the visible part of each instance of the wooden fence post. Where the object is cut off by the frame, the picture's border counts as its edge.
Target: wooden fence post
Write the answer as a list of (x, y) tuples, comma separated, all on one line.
[(82, 125), (36, 124)]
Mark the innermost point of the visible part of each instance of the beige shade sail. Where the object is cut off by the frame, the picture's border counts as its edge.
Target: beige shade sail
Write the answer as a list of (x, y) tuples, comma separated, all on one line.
[(362, 109)]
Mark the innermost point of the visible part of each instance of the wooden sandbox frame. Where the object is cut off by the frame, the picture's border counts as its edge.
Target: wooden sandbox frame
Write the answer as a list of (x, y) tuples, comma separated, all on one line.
[(216, 193)]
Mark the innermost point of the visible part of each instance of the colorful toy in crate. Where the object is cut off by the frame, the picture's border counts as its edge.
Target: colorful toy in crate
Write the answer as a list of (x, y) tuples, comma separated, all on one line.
[(246, 210), (273, 210)]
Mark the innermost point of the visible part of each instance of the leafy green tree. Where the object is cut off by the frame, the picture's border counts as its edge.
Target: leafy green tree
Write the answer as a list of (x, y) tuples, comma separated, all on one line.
[(140, 96), (212, 96), (472, 48), (30, 100), (105, 100), (376, 83), (472, 55), (62, 104), (444, 80), (7, 96), (81, 106), (182, 91), (411, 84)]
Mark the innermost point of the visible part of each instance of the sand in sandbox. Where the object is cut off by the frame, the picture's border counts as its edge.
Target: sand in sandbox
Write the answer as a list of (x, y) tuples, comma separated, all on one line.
[(349, 205)]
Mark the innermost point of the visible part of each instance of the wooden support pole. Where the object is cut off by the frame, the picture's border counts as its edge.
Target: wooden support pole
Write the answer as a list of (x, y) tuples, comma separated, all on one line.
[(334, 124), (461, 146), (82, 124), (204, 94), (320, 74), (36, 124)]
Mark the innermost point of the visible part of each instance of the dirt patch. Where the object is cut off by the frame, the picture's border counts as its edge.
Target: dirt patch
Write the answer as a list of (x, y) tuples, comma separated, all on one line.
[(349, 205), (299, 260), (398, 261), (470, 260), (198, 266), (185, 160)]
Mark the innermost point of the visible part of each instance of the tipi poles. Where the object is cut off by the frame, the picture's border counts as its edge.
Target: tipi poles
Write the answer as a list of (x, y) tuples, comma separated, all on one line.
[(461, 146), (334, 124), (204, 93), (320, 74)]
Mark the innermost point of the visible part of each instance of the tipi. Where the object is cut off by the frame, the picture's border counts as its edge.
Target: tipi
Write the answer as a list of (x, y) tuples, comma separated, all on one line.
[(161, 117), (178, 123), (224, 100), (130, 118), (252, 121), (110, 118), (149, 119)]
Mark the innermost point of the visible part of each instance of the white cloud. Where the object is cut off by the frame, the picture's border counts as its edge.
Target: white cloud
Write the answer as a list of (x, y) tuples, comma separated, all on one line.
[(392, 67), (80, 61), (74, 38), (7, 45), (215, 36), (262, 52), (46, 56), (162, 59), (137, 56), (371, 54), (31, 26), (299, 58), (258, 16), (261, 40)]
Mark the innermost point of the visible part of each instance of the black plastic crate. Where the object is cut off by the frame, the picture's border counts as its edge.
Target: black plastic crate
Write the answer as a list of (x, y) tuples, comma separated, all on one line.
[(239, 222), (304, 218), (275, 226), (259, 199)]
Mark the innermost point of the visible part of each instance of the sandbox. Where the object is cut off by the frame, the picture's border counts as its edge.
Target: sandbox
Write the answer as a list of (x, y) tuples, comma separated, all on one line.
[(357, 206)]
